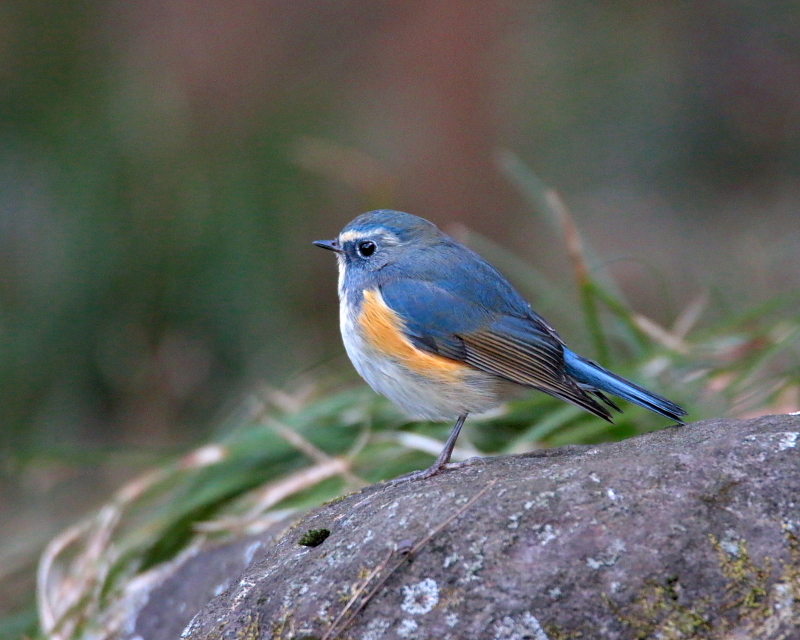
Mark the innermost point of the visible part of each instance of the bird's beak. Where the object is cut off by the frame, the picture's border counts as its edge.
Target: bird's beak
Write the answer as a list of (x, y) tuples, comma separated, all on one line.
[(330, 245)]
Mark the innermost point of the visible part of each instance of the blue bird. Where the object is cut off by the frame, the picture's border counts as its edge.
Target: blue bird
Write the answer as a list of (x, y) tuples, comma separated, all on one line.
[(439, 331)]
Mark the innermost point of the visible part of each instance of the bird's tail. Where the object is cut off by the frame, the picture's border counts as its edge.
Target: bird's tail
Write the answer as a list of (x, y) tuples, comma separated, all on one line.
[(595, 379)]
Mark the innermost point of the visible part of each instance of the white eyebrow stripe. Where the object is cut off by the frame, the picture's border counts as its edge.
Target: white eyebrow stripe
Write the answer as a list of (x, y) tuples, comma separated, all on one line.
[(387, 236), (347, 236)]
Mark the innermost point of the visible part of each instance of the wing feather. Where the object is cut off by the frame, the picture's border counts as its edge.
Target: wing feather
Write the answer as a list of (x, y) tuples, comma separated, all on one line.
[(520, 348), (532, 365)]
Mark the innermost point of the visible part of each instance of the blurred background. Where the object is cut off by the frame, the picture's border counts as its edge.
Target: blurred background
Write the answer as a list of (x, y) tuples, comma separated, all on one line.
[(164, 167)]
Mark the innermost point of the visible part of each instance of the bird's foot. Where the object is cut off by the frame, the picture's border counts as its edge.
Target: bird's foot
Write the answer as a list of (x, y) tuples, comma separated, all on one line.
[(423, 474), (433, 470)]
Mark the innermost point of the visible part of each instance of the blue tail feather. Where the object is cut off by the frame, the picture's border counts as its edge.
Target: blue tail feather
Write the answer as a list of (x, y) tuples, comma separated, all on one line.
[(595, 378)]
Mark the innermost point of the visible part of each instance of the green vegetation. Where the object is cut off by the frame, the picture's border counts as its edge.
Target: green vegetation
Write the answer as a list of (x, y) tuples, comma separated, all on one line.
[(314, 537)]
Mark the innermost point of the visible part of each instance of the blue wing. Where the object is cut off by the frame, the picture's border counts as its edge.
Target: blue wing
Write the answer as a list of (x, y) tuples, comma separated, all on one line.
[(455, 304), (502, 336)]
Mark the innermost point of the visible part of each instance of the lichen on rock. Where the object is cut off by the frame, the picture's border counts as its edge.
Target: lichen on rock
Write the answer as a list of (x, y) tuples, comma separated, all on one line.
[(687, 533)]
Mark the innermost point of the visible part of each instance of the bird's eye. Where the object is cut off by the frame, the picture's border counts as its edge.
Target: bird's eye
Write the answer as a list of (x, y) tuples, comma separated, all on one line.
[(366, 248)]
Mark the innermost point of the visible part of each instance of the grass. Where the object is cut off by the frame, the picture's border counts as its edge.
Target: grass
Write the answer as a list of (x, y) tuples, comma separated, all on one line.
[(286, 452)]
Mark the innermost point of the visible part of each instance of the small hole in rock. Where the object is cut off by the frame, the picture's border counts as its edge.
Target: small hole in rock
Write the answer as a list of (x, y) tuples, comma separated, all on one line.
[(314, 537)]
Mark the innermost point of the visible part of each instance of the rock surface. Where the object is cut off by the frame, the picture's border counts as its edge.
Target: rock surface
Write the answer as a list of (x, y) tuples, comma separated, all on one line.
[(689, 532)]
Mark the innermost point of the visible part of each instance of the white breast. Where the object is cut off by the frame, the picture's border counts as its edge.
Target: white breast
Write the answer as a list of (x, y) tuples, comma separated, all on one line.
[(419, 396)]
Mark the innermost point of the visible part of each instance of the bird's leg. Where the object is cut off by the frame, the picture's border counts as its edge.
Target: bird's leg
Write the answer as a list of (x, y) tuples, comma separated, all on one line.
[(444, 456), (441, 461)]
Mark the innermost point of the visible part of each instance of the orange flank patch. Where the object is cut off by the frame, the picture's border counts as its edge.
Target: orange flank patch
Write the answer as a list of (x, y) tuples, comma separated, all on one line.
[(383, 330)]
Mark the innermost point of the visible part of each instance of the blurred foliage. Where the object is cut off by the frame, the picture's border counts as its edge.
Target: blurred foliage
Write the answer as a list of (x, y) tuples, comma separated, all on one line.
[(156, 199), (143, 273)]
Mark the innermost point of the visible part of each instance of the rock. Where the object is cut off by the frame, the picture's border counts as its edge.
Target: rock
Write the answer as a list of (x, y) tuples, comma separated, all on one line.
[(195, 579), (690, 532)]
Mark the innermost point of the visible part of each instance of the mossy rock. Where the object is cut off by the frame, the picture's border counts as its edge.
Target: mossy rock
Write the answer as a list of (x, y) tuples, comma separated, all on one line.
[(691, 532)]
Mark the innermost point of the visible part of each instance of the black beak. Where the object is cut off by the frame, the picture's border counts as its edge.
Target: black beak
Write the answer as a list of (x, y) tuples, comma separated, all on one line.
[(330, 245)]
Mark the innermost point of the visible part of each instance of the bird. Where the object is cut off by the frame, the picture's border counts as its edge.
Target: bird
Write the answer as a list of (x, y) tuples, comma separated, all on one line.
[(432, 326)]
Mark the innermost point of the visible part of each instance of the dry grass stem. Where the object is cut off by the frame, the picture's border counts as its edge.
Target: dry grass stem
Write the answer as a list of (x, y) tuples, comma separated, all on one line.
[(268, 496), (572, 237), (666, 338), (433, 446)]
